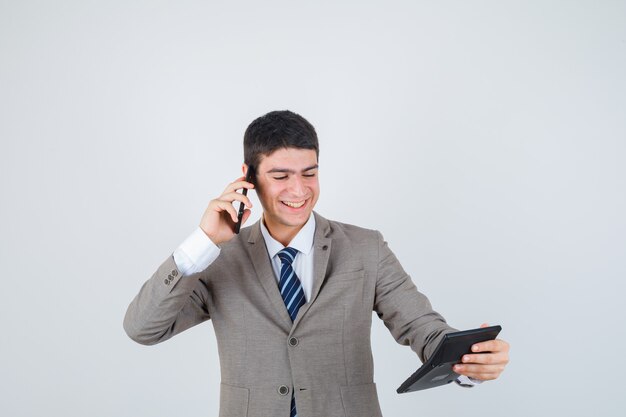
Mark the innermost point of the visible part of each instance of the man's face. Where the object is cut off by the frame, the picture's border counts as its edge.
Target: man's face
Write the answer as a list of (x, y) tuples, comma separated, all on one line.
[(287, 186)]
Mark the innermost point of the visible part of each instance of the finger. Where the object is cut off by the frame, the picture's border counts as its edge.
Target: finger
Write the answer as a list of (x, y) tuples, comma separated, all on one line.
[(238, 184), (486, 358), (228, 187), (235, 196), (483, 372), (482, 326), (496, 345), (225, 206)]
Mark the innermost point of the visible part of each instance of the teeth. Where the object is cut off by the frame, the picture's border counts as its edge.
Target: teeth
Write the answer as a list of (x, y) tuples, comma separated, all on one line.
[(293, 204)]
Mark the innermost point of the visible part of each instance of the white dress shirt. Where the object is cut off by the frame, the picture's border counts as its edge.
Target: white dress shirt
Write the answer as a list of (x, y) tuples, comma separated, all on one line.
[(303, 264)]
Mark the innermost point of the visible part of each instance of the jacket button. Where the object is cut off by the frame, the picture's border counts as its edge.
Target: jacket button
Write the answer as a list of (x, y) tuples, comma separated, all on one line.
[(167, 281), (293, 341), (283, 390)]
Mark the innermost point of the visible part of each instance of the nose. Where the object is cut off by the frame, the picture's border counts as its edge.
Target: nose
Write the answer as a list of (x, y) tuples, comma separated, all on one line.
[(296, 186)]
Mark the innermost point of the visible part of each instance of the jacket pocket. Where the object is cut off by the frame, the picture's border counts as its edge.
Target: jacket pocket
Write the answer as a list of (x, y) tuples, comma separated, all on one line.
[(349, 276), (233, 401), (360, 401)]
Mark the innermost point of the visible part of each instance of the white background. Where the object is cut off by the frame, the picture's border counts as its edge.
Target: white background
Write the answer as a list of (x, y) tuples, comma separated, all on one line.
[(485, 139)]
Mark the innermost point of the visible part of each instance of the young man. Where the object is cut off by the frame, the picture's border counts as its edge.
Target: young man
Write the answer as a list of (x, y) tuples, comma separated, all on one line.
[(291, 297)]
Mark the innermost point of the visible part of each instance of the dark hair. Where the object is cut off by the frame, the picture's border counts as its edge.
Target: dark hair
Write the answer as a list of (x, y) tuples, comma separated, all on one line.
[(276, 130)]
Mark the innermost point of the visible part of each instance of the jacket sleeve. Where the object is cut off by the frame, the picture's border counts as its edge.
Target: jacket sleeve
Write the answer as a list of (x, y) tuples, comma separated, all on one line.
[(167, 304), (406, 312)]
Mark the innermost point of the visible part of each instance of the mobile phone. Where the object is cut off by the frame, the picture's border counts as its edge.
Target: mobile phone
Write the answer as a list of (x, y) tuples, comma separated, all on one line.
[(242, 206)]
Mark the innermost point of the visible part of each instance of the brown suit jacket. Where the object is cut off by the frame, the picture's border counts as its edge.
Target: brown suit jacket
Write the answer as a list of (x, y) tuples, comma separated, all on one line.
[(324, 356)]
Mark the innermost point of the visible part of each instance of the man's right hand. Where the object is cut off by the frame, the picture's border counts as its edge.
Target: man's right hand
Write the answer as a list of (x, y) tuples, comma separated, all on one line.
[(218, 220)]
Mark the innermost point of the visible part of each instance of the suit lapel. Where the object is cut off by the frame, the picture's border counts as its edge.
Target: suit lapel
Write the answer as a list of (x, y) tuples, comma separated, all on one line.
[(322, 246), (265, 273)]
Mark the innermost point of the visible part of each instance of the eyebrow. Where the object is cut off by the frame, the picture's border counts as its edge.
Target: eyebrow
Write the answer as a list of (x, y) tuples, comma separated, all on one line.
[(291, 171)]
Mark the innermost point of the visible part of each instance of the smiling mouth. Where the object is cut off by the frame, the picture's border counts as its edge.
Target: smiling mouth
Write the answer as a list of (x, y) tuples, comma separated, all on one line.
[(294, 204)]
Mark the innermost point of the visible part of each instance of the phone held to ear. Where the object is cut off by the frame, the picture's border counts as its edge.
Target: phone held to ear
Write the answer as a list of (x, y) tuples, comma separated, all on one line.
[(242, 206)]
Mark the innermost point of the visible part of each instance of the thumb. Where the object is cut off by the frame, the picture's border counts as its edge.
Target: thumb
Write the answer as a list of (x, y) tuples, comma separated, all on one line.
[(482, 326), (246, 214)]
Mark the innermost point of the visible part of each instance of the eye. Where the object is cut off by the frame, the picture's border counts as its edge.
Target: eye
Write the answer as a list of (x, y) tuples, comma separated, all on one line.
[(280, 178), (309, 175)]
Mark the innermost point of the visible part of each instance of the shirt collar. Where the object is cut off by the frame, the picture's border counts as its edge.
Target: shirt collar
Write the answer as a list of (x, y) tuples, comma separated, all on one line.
[(303, 241)]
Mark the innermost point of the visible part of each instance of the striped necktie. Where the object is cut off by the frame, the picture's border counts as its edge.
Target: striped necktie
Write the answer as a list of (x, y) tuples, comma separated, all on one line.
[(292, 293), (289, 284)]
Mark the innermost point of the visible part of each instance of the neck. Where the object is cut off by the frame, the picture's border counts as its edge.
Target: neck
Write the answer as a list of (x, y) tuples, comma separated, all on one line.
[(283, 234)]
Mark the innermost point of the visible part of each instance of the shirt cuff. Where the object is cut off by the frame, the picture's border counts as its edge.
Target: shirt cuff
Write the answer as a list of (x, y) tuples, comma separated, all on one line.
[(196, 253), (466, 381)]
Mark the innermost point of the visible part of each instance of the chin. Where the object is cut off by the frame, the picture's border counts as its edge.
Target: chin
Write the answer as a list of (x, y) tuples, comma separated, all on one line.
[(296, 221)]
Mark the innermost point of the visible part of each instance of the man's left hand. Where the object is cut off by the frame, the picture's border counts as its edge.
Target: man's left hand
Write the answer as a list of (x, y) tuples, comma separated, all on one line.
[(487, 360)]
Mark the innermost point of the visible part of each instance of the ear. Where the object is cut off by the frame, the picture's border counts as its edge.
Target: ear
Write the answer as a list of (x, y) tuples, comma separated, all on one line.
[(246, 169)]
